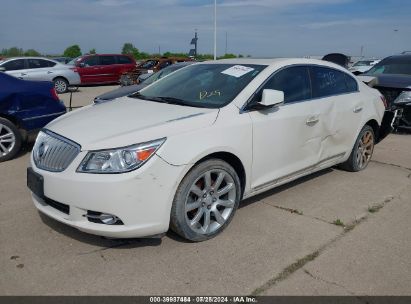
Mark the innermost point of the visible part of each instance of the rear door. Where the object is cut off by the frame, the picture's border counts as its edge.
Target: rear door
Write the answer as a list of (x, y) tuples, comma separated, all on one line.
[(40, 69), (108, 68), (338, 106), (124, 64)]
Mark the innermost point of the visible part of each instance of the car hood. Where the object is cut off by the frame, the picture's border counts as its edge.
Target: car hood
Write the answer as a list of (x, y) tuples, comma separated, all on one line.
[(392, 80), (129, 121)]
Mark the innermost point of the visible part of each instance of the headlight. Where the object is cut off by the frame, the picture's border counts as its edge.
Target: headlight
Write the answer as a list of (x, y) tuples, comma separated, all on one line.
[(403, 98), (119, 160)]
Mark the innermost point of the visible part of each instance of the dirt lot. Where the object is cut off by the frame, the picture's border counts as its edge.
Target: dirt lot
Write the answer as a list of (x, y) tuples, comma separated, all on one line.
[(286, 241)]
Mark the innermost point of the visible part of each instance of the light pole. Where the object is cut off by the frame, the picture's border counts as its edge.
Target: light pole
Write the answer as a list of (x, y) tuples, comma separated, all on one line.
[(215, 29)]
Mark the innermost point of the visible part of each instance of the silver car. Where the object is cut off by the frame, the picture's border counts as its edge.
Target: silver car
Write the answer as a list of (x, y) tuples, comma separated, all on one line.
[(37, 68)]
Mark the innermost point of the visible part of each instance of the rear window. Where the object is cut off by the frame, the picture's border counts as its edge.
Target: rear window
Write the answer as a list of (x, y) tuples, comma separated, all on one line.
[(327, 82), (40, 63), (107, 60), (124, 60)]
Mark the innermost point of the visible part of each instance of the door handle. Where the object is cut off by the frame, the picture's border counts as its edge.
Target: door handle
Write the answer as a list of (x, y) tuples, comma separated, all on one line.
[(312, 120), (23, 74), (48, 72), (357, 109)]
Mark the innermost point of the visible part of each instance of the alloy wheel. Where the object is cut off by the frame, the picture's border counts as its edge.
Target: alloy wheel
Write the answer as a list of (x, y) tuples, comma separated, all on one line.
[(7, 140), (365, 149), (210, 201), (60, 86)]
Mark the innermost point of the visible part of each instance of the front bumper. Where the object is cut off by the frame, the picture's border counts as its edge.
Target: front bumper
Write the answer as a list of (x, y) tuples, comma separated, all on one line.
[(141, 199)]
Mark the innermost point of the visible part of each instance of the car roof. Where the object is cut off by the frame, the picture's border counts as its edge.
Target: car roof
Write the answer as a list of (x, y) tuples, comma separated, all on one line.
[(406, 57), (30, 57), (276, 62)]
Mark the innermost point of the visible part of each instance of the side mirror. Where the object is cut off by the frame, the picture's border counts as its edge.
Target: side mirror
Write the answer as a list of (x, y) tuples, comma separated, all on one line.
[(81, 64), (271, 98), (2, 69)]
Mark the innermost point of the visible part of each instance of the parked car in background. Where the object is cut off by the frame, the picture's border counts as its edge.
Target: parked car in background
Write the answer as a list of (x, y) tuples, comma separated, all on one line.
[(37, 68), (127, 90), (63, 60), (148, 67), (363, 66), (102, 68), (183, 152), (25, 108), (338, 58), (394, 82)]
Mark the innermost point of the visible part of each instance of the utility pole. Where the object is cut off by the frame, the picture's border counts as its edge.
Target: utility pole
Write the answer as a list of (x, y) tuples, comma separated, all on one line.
[(215, 29), (226, 42)]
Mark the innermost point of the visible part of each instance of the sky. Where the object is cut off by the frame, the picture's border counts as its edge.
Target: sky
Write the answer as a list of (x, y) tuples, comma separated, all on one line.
[(260, 28)]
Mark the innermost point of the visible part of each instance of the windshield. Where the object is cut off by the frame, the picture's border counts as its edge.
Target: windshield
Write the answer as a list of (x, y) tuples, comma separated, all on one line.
[(391, 67), (73, 61), (202, 85)]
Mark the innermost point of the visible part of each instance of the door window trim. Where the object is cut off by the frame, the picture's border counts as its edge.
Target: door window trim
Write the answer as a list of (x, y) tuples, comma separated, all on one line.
[(308, 66)]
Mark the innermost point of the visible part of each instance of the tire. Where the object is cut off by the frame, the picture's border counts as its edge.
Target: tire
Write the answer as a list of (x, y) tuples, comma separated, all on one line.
[(61, 85), (10, 140), (362, 152), (198, 199)]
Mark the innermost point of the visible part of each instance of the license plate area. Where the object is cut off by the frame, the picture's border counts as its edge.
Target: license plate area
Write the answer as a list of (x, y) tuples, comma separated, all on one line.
[(35, 182)]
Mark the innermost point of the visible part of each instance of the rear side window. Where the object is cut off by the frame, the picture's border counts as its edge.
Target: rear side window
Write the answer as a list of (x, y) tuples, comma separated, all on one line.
[(351, 83), (91, 61), (107, 60), (40, 63), (124, 60), (293, 81), (327, 82), (14, 65)]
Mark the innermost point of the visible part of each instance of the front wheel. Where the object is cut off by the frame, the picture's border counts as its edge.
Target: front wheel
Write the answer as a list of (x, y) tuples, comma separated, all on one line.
[(362, 152), (205, 201), (10, 140)]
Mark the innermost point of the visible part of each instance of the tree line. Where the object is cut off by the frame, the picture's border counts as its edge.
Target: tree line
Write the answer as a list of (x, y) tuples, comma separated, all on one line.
[(128, 48)]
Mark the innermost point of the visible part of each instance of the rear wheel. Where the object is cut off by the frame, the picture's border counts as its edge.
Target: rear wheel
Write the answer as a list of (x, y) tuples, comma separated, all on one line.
[(61, 85), (10, 140), (362, 152), (206, 201)]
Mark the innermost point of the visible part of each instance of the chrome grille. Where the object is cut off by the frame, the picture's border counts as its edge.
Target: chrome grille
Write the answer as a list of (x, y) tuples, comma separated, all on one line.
[(52, 152)]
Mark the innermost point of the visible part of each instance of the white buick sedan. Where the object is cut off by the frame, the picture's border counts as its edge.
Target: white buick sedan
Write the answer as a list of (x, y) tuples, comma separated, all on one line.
[(183, 152)]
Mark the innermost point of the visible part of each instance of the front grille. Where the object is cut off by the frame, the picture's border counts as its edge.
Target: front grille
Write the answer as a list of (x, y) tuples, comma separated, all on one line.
[(52, 152), (56, 205)]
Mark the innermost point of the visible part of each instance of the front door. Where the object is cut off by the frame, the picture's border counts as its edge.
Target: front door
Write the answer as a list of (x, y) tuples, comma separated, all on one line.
[(286, 139)]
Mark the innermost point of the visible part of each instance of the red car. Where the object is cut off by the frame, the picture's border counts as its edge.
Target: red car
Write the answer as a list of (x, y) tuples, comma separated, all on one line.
[(103, 68)]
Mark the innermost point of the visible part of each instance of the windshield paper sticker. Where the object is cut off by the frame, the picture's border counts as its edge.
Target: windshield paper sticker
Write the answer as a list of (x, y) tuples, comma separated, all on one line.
[(237, 71)]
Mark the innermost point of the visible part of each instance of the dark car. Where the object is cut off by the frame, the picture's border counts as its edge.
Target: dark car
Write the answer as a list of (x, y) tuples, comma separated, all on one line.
[(337, 58), (102, 68), (127, 90), (394, 82), (25, 107), (149, 66)]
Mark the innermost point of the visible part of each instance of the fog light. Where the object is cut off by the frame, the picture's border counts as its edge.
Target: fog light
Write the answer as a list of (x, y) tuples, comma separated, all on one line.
[(108, 219)]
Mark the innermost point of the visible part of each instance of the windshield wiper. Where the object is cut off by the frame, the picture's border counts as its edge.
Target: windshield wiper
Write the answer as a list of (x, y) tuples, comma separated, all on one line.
[(166, 99)]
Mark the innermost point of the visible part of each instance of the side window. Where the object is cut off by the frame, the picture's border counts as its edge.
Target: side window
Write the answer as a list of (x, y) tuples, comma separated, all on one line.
[(40, 63), (124, 60), (14, 65), (351, 83), (91, 61), (293, 81), (107, 60), (327, 82)]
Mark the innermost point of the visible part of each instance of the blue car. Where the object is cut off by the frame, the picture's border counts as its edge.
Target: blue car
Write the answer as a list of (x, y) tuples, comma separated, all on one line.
[(25, 108)]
